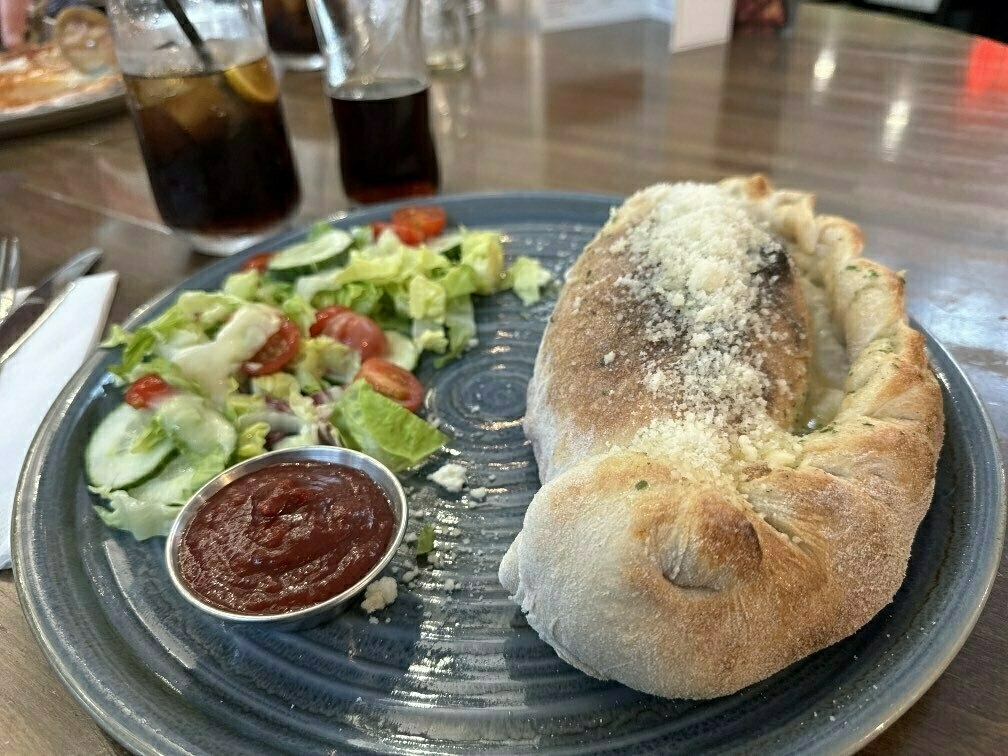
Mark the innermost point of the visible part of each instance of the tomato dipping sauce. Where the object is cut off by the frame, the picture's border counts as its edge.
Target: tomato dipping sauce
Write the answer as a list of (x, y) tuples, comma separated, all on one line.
[(285, 537)]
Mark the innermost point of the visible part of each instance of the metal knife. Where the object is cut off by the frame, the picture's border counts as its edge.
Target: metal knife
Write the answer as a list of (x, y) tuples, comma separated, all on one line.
[(41, 302), (9, 263)]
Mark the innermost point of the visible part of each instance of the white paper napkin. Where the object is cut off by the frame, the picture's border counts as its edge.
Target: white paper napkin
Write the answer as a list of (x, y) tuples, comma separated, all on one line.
[(33, 377)]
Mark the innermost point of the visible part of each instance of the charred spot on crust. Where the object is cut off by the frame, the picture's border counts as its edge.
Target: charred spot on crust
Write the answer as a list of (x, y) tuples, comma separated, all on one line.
[(773, 262)]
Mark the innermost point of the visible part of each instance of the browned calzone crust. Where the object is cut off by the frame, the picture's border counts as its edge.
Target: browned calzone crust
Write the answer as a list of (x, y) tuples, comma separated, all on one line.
[(737, 434)]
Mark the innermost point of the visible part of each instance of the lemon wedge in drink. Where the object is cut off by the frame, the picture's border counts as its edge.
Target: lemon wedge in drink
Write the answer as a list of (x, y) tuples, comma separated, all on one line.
[(253, 81), (85, 39)]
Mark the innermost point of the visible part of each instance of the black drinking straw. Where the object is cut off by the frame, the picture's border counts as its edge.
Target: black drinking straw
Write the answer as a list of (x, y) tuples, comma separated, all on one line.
[(190, 31)]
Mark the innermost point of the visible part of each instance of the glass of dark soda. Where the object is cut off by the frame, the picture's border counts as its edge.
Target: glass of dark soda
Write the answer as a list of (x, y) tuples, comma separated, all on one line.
[(377, 82), (206, 108), (291, 34)]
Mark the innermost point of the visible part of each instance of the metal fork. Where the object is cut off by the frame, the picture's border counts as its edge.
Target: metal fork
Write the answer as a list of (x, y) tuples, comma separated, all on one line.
[(9, 262)]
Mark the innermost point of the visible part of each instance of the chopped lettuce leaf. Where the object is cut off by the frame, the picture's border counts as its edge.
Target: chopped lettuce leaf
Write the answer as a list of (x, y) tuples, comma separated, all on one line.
[(430, 336), (287, 387), (143, 519), (399, 296), (298, 310), (252, 440), (426, 299), (194, 314), (483, 252), (375, 425), (423, 261), (375, 265), (116, 336), (310, 287), (142, 341), (278, 420), (308, 436), (362, 297), (277, 385), (274, 292), (322, 357), (461, 325), (402, 351), (207, 309), (387, 262), (425, 540), (459, 281), (244, 284), (362, 236), (526, 277), (240, 405)]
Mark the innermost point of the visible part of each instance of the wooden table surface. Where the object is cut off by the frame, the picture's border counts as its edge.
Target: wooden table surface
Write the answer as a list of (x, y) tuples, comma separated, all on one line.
[(896, 125)]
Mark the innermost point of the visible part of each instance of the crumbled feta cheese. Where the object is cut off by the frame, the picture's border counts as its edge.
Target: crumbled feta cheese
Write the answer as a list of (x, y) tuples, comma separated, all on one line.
[(478, 493), (379, 594), (451, 477), (608, 357)]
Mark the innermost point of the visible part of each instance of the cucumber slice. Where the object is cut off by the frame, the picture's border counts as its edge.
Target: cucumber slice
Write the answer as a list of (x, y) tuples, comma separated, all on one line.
[(326, 251), (110, 460), (449, 245), (174, 484)]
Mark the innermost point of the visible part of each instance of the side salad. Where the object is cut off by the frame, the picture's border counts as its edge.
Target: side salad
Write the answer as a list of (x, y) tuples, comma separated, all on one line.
[(315, 343)]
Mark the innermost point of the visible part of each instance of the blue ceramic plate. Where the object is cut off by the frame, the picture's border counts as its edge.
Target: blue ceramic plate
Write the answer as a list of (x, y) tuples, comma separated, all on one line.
[(458, 671)]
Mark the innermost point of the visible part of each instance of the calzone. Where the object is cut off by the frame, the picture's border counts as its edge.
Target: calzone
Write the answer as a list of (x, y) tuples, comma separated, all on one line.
[(737, 433)]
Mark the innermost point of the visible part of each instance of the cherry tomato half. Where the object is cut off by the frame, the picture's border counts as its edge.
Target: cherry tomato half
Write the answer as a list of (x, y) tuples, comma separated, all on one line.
[(429, 220), (390, 380), (357, 332), (147, 390), (323, 316), (258, 262), (407, 234), (279, 349)]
